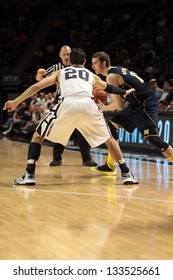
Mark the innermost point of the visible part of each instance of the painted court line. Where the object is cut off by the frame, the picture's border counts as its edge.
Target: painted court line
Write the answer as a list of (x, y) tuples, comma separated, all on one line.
[(89, 194)]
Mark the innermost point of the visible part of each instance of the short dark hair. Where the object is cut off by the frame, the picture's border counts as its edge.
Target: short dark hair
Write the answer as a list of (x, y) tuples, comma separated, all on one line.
[(170, 82), (77, 56), (103, 56)]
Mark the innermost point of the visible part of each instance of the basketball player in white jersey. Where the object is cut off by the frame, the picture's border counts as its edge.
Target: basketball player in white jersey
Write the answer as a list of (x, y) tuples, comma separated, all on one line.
[(58, 149), (76, 110)]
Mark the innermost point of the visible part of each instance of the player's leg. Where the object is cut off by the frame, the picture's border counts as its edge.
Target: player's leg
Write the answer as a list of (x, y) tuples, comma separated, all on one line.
[(109, 166), (147, 125), (84, 150), (168, 153), (115, 151), (102, 134), (34, 150), (165, 148), (122, 119), (58, 150)]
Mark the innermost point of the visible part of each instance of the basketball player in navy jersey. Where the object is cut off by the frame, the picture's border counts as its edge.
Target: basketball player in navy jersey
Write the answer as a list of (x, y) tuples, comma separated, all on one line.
[(58, 149), (77, 110), (141, 113)]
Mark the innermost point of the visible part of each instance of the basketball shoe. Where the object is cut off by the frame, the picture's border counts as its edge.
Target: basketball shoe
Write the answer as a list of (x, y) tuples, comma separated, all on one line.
[(26, 179), (89, 163), (129, 179), (105, 169), (56, 163)]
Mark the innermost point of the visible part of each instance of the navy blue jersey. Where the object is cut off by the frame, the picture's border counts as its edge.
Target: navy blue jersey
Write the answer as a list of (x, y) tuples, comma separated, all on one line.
[(143, 95)]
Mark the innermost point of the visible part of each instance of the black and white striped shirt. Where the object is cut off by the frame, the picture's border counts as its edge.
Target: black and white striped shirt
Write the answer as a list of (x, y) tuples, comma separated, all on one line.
[(52, 69)]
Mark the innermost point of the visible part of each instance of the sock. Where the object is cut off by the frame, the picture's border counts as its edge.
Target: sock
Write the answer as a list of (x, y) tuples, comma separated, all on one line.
[(123, 167), (33, 155), (31, 168), (170, 158), (110, 161), (121, 161)]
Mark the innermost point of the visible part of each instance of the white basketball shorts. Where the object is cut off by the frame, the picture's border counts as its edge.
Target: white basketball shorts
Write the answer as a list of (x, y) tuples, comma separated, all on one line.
[(71, 113)]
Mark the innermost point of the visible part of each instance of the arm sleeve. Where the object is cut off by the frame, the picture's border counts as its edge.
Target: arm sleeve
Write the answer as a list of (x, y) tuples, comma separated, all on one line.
[(114, 90)]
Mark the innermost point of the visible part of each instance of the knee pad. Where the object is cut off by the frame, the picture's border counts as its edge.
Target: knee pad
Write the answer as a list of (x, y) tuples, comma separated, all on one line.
[(157, 142)]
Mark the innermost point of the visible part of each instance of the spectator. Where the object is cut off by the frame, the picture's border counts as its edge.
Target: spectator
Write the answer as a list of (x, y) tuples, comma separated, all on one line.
[(157, 90), (38, 113), (165, 89), (170, 107), (169, 97), (19, 119), (149, 70), (163, 106)]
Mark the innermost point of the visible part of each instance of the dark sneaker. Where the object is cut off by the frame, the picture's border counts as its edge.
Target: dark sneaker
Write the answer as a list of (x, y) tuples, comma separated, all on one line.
[(89, 163), (129, 179), (56, 163), (104, 169), (26, 179)]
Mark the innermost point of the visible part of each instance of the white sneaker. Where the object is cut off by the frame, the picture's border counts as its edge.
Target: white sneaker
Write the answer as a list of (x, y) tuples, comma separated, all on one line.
[(26, 179), (129, 179), (6, 132)]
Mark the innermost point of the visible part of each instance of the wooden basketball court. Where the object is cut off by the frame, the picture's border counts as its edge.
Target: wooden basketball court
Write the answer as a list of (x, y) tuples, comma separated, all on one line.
[(75, 214)]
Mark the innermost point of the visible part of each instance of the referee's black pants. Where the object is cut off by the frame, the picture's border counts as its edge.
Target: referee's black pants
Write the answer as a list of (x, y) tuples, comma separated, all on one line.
[(83, 146)]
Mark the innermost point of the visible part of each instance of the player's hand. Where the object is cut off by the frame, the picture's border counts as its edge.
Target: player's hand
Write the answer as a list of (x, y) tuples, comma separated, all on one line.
[(101, 105), (10, 105), (128, 92), (40, 74), (41, 71)]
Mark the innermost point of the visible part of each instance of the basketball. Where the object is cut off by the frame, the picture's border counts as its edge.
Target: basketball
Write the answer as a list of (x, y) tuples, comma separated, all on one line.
[(99, 94)]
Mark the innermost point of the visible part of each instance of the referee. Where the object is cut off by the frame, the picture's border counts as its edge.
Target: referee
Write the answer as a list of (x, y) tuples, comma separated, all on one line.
[(58, 149)]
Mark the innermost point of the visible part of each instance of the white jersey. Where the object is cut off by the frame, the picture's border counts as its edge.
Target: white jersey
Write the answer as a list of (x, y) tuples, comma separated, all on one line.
[(76, 81), (76, 110)]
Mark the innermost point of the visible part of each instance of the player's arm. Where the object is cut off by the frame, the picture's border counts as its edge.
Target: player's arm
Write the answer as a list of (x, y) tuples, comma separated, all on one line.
[(115, 104), (51, 80), (40, 74), (116, 100), (98, 82)]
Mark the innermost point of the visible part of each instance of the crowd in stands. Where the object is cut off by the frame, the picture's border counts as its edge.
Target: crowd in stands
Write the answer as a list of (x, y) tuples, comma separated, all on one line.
[(136, 35), (22, 122), (18, 22), (165, 95)]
